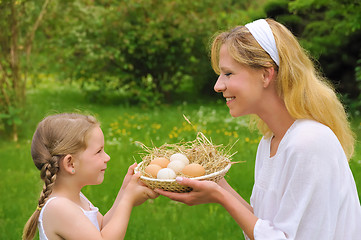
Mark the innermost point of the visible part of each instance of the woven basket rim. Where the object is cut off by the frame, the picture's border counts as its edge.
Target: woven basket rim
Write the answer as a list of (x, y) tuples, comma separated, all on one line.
[(173, 180)]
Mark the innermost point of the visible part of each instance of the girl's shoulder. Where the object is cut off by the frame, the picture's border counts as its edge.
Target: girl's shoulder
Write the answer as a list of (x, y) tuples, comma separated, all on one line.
[(64, 217), (59, 206)]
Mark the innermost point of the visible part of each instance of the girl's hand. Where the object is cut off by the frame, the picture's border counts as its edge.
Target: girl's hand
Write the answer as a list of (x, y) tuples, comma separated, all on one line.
[(137, 192), (128, 176), (203, 192)]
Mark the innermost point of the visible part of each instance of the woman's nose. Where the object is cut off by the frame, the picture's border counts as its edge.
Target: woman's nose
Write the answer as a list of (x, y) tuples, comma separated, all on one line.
[(220, 85)]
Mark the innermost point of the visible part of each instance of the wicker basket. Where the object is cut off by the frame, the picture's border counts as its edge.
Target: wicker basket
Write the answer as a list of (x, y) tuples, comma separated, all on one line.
[(173, 186), (216, 160)]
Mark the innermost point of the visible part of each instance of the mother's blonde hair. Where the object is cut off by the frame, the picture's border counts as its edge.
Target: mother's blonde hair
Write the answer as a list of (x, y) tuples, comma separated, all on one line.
[(306, 94), (55, 137)]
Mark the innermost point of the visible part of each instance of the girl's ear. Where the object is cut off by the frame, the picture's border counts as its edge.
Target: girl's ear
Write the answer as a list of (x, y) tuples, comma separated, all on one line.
[(268, 76), (68, 164)]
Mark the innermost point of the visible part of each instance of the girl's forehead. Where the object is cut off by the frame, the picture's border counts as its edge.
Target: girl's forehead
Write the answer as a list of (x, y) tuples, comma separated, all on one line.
[(95, 136)]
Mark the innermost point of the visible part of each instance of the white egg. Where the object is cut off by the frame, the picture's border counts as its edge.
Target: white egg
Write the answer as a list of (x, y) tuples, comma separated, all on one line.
[(179, 157), (166, 173), (176, 165)]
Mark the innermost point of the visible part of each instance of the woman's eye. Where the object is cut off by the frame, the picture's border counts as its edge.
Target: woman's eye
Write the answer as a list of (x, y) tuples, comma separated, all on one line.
[(228, 74)]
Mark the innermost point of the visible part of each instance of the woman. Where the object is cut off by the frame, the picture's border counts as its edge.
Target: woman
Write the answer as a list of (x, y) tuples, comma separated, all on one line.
[(304, 188)]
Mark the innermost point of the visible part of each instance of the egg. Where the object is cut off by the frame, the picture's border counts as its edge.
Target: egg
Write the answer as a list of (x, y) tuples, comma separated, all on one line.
[(161, 161), (166, 173), (194, 170), (179, 157), (153, 169), (176, 165)]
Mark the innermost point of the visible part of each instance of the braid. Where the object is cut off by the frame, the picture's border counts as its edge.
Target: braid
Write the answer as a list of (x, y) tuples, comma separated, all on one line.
[(48, 174)]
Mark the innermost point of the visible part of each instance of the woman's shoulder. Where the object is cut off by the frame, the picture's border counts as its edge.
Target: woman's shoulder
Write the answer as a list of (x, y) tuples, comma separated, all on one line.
[(306, 131), (311, 126), (313, 150), (313, 139)]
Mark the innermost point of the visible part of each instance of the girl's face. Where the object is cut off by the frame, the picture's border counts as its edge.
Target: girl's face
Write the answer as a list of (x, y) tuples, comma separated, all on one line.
[(241, 85), (92, 162)]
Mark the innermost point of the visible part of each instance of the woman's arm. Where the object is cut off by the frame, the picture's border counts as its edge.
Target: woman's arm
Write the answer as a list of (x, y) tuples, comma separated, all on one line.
[(211, 192), (224, 184)]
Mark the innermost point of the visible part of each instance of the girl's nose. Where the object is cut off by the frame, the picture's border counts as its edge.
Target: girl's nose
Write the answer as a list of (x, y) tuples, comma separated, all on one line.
[(107, 158), (220, 85)]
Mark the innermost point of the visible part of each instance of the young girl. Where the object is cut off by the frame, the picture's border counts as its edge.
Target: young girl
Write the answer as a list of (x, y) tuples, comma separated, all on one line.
[(68, 149), (304, 188)]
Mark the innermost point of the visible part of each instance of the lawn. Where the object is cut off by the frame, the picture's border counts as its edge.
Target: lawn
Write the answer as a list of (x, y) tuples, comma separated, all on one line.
[(123, 126)]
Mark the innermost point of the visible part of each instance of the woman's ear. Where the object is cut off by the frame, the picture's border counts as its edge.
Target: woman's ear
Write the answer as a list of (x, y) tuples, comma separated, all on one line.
[(68, 164), (268, 76)]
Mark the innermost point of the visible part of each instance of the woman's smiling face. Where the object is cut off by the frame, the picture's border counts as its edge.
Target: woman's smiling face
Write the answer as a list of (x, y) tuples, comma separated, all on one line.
[(241, 85)]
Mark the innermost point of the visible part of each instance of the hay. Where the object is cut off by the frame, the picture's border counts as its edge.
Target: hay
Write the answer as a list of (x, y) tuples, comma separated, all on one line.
[(216, 159)]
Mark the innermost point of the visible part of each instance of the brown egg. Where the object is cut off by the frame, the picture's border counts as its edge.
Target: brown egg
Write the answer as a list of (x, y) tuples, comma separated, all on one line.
[(161, 161), (153, 169), (194, 170)]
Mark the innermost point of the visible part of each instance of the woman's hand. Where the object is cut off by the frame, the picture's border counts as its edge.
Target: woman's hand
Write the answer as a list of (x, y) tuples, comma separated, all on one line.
[(203, 192)]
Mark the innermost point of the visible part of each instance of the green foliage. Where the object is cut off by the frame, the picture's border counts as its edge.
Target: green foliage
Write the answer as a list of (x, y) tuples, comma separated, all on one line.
[(331, 31), (18, 23), (144, 51), (12, 117)]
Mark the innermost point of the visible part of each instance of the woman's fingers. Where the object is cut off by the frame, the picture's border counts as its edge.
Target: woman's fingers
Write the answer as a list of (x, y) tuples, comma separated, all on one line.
[(179, 197), (194, 184), (203, 192)]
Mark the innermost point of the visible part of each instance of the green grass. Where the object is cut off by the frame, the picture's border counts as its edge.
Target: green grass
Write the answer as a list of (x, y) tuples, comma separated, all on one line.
[(161, 218)]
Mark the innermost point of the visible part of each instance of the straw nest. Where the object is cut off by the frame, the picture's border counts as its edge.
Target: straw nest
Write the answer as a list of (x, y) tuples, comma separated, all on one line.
[(216, 160)]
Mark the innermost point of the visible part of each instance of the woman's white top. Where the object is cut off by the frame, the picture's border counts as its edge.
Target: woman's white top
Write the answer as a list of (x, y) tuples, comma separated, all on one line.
[(92, 214), (305, 191)]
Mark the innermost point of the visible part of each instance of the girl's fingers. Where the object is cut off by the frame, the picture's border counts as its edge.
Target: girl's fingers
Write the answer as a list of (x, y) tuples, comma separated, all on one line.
[(136, 176), (131, 168), (151, 194)]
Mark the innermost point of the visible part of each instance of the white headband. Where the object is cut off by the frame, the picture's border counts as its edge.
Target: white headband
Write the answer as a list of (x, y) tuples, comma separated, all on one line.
[(262, 32)]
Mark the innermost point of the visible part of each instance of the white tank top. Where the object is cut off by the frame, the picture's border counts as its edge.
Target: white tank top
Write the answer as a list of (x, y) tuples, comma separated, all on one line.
[(91, 214)]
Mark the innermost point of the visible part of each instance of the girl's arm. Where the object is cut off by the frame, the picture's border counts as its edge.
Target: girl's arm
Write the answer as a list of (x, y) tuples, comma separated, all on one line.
[(211, 192), (126, 180), (132, 194), (64, 219)]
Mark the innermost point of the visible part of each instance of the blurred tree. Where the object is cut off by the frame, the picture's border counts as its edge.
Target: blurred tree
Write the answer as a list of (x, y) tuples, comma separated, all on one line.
[(140, 51), (19, 21)]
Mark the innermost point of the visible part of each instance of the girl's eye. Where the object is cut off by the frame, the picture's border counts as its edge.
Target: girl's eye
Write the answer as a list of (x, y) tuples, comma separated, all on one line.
[(99, 150), (228, 74)]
